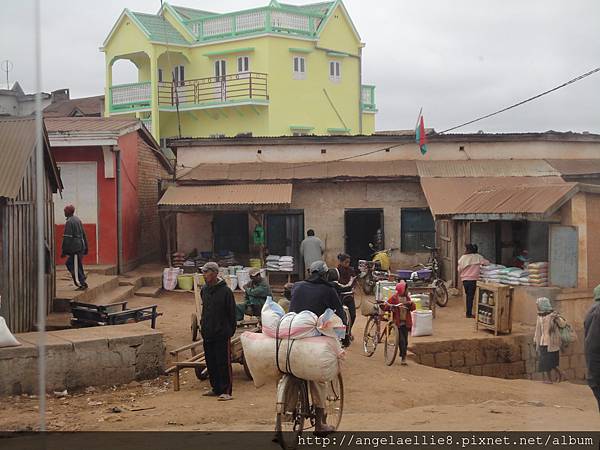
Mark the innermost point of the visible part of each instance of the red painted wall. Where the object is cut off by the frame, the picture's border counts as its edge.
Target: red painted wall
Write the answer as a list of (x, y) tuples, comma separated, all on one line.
[(107, 205)]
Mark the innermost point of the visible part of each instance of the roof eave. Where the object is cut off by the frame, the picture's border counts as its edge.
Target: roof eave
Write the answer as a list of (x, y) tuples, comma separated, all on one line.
[(126, 12)]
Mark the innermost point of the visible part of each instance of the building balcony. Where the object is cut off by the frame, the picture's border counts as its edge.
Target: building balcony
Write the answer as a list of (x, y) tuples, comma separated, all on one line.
[(284, 20), (248, 88), (368, 98)]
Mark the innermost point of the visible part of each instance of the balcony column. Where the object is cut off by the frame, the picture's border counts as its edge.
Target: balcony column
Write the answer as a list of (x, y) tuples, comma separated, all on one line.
[(155, 117), (108, 78)]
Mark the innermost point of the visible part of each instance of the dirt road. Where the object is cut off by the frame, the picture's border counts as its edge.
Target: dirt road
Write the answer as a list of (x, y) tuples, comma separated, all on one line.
[(412, 398)]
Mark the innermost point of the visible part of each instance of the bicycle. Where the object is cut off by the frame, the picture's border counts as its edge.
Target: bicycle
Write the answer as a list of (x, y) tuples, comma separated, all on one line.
[(373, 335), (295, 407)]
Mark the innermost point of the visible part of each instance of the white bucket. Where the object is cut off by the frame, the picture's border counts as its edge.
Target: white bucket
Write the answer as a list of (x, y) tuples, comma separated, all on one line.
[(243, 278), (232, 282)]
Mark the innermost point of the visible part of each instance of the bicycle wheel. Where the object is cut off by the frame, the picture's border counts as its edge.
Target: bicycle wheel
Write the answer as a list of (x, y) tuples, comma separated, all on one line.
[(370, 336), (292, 407), (441, 293), (392, 343), (335, 401)]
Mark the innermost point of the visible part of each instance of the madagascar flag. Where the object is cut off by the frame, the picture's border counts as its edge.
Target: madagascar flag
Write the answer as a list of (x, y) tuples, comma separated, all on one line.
[(420, 136)]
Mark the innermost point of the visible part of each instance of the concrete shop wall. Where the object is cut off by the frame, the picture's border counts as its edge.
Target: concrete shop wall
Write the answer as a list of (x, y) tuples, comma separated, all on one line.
[(324, 205), (83, 357), (190, 157)]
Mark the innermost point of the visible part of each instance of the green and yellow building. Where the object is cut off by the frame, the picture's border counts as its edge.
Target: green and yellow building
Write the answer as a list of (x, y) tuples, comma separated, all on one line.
[(271, 71)]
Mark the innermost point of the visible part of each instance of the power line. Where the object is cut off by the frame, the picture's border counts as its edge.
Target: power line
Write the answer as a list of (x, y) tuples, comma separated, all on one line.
[(580, 77)]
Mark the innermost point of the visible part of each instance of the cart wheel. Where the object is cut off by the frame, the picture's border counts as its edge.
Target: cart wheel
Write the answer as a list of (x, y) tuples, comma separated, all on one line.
[(201, 373), (194, 327), (246, 369)]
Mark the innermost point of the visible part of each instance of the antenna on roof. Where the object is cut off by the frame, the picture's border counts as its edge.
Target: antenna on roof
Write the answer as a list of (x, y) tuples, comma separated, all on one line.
[(6, 66)]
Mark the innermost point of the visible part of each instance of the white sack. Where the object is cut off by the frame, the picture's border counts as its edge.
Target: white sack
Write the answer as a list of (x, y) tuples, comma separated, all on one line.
[(270, 316), (6, 337), (313, 359), (422, 323), (298, 326)]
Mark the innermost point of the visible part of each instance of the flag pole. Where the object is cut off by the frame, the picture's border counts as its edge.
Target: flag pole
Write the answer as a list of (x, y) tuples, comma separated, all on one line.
[(418, 117)]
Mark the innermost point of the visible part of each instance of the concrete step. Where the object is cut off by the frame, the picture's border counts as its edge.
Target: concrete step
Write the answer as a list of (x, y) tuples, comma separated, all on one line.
[(152, 280), (101, 269), (66, 292), (58, 321), (136, 282), (149, 291), (118, 294)]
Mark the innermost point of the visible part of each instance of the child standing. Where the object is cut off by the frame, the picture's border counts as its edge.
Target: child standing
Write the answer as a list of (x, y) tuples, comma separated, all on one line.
[(402, 319), (547, 339)]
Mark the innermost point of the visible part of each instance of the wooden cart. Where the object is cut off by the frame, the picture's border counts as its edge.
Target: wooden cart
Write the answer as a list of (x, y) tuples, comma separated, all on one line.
[(495, 315), (197, 361)]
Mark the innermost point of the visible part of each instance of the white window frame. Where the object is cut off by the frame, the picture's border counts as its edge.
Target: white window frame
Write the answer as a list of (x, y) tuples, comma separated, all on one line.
[(335, 71), (220, 66), (179, 75), (299, 67), (243, 63)]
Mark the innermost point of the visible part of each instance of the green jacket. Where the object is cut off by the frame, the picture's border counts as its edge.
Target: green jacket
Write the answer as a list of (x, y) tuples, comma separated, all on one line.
[(256, 294)]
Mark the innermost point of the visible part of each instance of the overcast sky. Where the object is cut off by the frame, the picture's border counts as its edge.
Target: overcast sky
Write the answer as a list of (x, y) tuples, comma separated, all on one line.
[(457, 59)]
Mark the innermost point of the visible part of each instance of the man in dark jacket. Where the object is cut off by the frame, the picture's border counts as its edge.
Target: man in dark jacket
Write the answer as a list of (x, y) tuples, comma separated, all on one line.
[(592, 345), (316, 295), (74, 246), (217, 326)]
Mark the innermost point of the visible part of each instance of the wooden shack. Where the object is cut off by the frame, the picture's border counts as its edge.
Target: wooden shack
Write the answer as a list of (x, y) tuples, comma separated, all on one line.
[(18, 264)]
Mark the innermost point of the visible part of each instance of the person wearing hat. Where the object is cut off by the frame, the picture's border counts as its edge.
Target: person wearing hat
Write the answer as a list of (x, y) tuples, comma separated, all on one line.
[(217, 326), (316, 295), (547, 339), (74, 246), (522, 259), (256, 292), (591, 345)]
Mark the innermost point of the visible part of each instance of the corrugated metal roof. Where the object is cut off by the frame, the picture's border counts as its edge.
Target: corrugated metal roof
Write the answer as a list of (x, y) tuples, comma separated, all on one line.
[(227, 195), (444, 195), (89, 124), (540, 200), (17, 142), (88, 106), (569, 167), (301, 171), (486, 168)]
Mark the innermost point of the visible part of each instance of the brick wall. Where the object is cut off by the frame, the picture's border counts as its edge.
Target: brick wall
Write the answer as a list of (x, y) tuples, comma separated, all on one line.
[(511, 356), (150, 171)]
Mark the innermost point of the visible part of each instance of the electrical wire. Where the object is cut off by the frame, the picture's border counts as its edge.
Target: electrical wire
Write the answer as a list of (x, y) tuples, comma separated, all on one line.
[(580, 77)]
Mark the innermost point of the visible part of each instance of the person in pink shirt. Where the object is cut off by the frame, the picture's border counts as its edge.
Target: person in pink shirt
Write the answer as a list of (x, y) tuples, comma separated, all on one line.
[(469, 266)]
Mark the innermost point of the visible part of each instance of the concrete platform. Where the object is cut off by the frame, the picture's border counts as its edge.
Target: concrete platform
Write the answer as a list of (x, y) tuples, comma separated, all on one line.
[(83, 357), (149, 291)]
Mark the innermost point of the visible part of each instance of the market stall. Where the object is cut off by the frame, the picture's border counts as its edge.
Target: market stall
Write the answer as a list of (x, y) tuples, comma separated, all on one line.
[(232, 225)]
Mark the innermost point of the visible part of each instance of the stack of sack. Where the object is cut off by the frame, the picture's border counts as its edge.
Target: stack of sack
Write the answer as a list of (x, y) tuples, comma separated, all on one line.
[(226, 259), (286, 263), (513, 276), (538, 274), (302, 344), (178, 259), (273, 262), (491, 273)]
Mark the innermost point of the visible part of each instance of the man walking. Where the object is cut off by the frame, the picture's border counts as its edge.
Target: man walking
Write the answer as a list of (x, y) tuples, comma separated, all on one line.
[(592, 345), (311, 249), (74, 246), (217, 326)]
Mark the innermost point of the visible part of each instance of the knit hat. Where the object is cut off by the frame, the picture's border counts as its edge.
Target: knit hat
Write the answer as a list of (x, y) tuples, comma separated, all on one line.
[(543, 304), (597, 293), (318, 267), (401, 287)]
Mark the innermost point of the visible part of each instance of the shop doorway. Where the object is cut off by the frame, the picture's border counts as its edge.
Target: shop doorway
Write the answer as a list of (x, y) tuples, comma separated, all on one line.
[(362, 227), (230, 231), (284, 233)]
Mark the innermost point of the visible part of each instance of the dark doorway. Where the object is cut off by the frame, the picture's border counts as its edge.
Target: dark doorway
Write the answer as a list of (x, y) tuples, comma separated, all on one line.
[(284, 232), (230, 231), (362, 227)]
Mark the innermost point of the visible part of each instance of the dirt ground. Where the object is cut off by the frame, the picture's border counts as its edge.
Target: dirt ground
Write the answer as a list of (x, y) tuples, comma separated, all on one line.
[(412, 398)]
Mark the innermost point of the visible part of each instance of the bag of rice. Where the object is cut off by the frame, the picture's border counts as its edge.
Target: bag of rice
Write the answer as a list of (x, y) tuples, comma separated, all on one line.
[(298, 326), (271, 315)]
